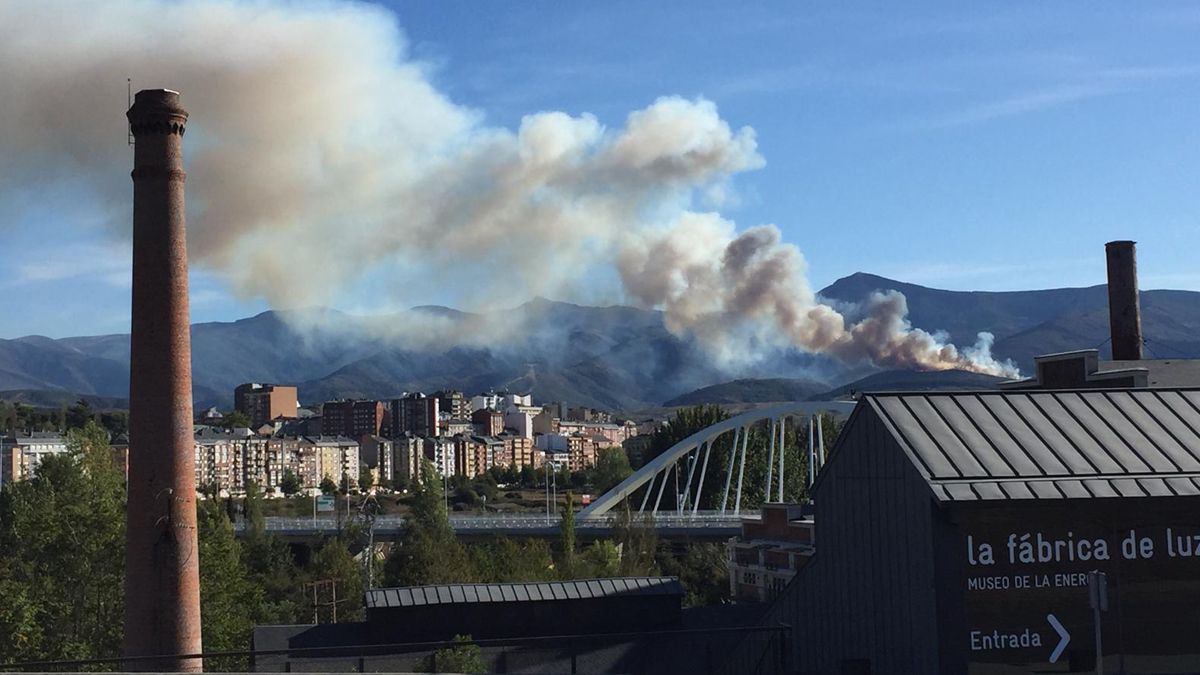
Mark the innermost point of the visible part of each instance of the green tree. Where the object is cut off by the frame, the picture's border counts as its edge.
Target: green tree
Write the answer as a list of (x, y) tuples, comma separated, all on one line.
[(528, 477), (567, 566), (20, 633), (366, 479), (290, 483), (602, 559), (612, 467), (703, 570), (465, 658), (228, 599), (429, 552), (686, 422), (333, 563), (346, 484), (511, 560), (116, 422), (401, 483), (328, 487), (269, 566), (638, 541), (62, 535), (236, 420), (79, 414)]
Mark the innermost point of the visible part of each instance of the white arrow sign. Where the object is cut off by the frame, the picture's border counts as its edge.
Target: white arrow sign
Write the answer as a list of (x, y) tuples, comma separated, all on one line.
[(1064, 638)]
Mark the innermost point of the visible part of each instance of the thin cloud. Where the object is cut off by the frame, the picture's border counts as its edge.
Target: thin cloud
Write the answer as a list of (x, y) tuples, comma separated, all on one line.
[(1094, 84), (1022, 104), (109, 264)]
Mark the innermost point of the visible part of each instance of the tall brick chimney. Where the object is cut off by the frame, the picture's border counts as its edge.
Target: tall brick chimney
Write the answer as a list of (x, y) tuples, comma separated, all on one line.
[(1124, 309), (162, 581)]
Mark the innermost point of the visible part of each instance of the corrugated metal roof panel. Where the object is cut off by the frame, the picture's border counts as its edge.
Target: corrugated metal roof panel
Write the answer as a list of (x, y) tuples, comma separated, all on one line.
[(1025, 439), (986, 490), (1171, 433), (965, 430), (1045, 489), (1183, 486), (989, 420), (1017, 490), (1049, 445), (1155, 487), (933, 460)]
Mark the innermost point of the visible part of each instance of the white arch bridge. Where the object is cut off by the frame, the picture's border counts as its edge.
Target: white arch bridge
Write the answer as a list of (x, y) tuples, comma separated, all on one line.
[(689, 460)]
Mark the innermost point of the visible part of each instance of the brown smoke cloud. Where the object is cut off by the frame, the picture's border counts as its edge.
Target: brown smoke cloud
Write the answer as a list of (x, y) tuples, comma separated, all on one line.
[(320, 154), (723, 285)]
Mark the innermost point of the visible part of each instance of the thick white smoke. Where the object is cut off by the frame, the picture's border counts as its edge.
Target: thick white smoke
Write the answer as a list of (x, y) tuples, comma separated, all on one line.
[(318, 153), (718, 283)]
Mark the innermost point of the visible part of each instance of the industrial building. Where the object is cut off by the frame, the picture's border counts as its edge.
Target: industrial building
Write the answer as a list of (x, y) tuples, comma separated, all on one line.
[(622, 625), (1084, 369), (954, 534)]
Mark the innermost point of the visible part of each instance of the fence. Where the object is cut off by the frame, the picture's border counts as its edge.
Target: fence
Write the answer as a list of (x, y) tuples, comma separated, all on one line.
[(764, 650)]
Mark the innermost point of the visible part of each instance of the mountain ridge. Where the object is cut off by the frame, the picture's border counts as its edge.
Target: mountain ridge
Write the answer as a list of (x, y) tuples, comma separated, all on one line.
[(617, 356)]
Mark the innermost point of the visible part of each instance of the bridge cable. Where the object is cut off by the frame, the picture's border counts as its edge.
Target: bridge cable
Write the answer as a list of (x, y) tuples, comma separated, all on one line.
[(687, 489), (737, 504), (729, 471), (782, 453), (770, 463), (703, 471)]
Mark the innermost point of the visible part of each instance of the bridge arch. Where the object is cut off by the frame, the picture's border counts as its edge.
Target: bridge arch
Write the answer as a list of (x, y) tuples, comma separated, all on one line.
[(697, 451)]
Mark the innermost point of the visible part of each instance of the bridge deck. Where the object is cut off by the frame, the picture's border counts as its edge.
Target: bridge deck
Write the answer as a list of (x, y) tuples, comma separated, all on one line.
[(669, 525)]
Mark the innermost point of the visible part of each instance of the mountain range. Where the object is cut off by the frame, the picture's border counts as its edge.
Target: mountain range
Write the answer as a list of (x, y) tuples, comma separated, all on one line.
[(609, 357)]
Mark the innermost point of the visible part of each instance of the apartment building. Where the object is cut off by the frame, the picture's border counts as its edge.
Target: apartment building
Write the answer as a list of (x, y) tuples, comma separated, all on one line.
[(581, 452), (487, 422), (414, 414), (407, 451), (769, 552), (329, 457), (265, 402), (453, 405), (473, 455), (214, 458), (21, 454), (352, 419), (441, 451), (519, 451), (377, 453), (455, 427)]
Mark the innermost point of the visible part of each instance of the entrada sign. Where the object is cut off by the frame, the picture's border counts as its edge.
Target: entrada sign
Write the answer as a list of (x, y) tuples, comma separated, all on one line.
[(1024, 584)]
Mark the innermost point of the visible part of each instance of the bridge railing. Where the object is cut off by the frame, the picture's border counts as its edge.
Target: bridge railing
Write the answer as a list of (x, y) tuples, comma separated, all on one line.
[(505, 522)]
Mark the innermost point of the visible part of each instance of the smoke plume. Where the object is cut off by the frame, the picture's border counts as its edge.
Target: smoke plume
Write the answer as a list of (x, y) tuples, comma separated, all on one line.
[(321, 155)]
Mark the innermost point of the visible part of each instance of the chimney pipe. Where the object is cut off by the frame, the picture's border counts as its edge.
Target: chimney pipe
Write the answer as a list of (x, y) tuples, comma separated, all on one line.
[(162, 574), (1124, 310)]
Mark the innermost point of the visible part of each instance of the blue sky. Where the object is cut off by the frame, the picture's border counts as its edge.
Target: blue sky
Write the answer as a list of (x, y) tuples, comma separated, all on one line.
[(960, 145)]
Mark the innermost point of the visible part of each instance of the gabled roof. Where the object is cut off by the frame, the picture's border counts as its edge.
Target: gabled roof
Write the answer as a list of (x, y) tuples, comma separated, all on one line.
[(412, 596), (1049, 445)]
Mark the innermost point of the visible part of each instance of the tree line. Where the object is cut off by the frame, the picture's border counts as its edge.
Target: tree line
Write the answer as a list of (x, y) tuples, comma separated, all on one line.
[(62, 535)]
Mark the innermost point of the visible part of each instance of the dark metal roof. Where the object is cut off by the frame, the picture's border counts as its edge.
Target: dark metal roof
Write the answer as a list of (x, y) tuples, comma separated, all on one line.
[(412, 596), (1049, 445)]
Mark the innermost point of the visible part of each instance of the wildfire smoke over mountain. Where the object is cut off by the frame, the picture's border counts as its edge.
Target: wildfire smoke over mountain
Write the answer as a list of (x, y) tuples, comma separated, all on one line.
[(320, 154)]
